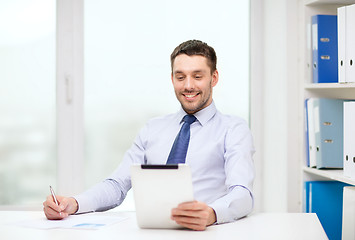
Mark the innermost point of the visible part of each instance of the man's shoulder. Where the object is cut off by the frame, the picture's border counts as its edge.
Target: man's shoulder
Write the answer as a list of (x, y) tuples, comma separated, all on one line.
[(234, 127), (229, 120), (163, 119)]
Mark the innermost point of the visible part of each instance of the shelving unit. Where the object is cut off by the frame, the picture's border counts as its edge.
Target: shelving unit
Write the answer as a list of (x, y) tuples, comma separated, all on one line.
[(330, 90), (323, 90), (336, 175), (327, 2)]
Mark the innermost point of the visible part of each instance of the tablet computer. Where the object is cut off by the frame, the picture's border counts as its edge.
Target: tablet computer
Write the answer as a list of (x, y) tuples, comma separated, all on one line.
[(157, 190)]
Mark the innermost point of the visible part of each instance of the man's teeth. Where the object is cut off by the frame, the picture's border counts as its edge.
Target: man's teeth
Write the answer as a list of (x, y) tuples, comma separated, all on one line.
[(190, 96)]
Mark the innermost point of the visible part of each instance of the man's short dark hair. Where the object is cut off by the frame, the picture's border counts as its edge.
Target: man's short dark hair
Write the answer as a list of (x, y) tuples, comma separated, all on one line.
[(195, 47)]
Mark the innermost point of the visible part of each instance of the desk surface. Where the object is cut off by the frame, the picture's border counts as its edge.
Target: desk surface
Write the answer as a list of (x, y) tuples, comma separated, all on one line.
[(257, 226)]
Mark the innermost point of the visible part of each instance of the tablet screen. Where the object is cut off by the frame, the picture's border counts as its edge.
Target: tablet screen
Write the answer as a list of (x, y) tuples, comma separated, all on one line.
[(157, 190)]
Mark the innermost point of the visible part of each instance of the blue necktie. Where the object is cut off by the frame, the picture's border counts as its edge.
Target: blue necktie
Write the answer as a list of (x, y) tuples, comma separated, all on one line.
[(181, 143)]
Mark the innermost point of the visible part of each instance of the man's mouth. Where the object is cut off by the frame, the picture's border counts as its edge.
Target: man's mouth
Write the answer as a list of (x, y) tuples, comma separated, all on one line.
[(190, 96)]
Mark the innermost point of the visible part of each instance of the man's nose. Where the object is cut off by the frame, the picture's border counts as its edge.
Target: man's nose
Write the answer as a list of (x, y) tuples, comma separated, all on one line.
[(189, 83)]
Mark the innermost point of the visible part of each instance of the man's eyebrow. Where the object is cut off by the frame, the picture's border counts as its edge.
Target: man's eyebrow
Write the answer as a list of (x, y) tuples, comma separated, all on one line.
[(199, 71), (196, 71)]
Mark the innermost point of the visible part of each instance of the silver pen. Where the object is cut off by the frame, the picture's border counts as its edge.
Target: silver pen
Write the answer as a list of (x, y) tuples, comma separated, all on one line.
[(53, 195)]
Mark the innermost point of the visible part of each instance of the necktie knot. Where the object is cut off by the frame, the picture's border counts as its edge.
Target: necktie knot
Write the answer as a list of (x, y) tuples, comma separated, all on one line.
[(189, 119)]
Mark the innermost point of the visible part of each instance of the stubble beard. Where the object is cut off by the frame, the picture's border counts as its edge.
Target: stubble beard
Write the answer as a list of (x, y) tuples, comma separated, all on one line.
[(193, 107)]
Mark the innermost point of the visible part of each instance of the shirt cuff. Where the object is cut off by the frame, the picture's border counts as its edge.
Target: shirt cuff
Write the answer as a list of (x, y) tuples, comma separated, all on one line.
[(236, 204), (84, 204), (222, 212)]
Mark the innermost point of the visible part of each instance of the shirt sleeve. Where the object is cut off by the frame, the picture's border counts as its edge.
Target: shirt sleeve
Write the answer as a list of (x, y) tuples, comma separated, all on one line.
[(236, 204), (112, 191), (240, 172)]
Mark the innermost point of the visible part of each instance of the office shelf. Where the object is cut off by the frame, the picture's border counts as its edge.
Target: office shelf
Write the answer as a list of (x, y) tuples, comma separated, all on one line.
[(330, 174), (346, 91), (330, 90), (330, 86), (323, 2)]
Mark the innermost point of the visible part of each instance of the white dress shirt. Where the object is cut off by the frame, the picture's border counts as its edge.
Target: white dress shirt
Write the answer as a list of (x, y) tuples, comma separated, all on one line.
[(219, 155)]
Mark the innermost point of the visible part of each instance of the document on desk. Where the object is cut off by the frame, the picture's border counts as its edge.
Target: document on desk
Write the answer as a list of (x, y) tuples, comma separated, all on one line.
[(87, 221)]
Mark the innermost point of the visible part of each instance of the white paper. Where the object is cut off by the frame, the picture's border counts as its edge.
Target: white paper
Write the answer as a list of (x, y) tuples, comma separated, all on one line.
[(86, 221)]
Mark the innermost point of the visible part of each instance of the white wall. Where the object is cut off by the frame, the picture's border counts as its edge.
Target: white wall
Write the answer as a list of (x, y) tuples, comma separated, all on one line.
[(275, 154), (275, 105)]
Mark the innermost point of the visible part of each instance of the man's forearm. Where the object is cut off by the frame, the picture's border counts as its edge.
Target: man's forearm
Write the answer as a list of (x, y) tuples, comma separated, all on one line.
[(236, 204)]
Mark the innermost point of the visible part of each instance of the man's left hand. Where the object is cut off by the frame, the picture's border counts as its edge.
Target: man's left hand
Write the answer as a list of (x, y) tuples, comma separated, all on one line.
[(194, 215)]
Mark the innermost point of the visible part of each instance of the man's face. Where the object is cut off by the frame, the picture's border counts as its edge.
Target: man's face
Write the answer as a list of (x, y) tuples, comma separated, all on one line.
[(193, 82)]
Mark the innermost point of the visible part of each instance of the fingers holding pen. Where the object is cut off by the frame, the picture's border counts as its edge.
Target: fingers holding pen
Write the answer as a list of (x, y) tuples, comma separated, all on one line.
[(52, 210), (66, 206)]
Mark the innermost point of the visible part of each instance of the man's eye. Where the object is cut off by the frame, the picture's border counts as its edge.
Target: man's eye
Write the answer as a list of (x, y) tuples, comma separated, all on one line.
[(180, 77), (198, 77)]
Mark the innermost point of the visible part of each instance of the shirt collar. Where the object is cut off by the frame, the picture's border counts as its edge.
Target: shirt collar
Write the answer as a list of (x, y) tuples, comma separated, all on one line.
[(203, 116)]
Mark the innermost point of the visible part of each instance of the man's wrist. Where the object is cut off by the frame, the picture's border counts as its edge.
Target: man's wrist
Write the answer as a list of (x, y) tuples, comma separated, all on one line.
[(212, 216), (75, 205)]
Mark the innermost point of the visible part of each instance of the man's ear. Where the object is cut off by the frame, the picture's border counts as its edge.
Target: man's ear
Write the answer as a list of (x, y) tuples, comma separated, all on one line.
[(215, 78)]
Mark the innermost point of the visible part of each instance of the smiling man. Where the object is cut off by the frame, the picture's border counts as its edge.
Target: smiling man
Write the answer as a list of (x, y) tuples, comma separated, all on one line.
[(193, 81), (219, 153)]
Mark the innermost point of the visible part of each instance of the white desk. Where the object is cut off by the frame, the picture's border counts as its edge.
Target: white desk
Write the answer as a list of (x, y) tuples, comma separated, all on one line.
[(257, 226)]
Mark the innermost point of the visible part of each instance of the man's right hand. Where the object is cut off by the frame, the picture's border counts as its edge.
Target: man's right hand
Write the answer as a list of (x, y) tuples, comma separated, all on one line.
[(66, 207)]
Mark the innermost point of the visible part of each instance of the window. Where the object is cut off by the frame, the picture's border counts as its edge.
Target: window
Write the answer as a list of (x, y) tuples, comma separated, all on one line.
[(127, 67), (27, 101), (127, 45)]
